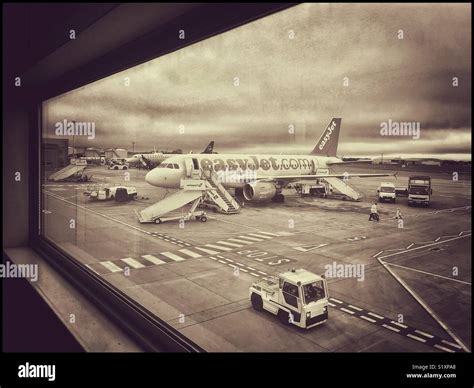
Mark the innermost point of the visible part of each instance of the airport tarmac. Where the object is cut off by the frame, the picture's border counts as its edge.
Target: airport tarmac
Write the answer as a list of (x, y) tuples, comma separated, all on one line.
[(415, 295)]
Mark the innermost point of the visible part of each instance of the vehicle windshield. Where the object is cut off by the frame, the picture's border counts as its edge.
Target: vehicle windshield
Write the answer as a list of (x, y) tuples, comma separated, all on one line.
[(387, 189), (420, 190), (314, 291)]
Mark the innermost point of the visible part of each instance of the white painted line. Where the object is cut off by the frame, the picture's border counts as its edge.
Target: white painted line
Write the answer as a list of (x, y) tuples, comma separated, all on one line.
[(270, 234), (172, 256), (450, 343), (375, 315), (229, 260), (239, 241), (331, 304), (377, 254), (391, 328), (336, 300), (218, 247), (242, 265), (153, 259), (253, 269), (222, 261), (133, 263), (259, 235), (429, 273), (250, 238), (220, 257), (231, 244), (347, 311), (416, 338), (111, 266), (423, 246), (409, 246), (263, 273), (368, 319), (423, 333), (437, 239), (254, 274), (444, 349), (92, 269), (190, 253), (399, 324), (354, 307), (209, 251), (213, 258), (241, 269)]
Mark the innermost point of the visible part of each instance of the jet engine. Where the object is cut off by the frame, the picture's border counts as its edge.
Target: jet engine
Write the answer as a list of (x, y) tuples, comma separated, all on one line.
[(259, 191)]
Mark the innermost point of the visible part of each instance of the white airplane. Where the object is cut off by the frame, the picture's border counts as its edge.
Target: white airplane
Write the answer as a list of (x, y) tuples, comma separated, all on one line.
[(260, 177)]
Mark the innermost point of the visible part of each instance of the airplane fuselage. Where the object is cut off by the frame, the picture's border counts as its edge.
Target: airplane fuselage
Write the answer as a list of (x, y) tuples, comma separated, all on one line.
[(236, 170)]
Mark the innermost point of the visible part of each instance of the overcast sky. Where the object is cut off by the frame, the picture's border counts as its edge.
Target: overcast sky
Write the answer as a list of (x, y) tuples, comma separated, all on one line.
[(297, 82)]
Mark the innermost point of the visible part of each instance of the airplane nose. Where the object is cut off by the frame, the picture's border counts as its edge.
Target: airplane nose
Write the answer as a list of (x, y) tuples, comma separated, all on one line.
[(153, 178)]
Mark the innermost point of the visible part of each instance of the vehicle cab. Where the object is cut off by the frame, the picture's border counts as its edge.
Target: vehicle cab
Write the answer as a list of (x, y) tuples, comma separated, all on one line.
[(298, 296), (386, 192)]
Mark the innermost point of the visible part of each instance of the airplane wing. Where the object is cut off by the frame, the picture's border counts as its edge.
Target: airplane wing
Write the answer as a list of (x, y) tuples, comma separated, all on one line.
[(293, 178)]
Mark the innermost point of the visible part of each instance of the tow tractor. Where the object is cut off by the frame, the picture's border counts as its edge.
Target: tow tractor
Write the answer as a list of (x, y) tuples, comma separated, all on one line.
[(298, 296)]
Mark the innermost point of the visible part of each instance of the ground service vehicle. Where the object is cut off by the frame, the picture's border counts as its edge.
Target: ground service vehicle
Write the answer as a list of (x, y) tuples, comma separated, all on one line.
[(387, 192), (419, 190), (119, 193), (298, 297)]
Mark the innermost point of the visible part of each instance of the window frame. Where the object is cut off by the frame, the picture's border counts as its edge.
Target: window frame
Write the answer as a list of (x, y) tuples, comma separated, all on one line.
[(147, 329)]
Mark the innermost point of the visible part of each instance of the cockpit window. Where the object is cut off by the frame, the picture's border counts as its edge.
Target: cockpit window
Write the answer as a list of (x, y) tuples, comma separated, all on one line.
[(170, 165), (163, 165), (176, 166)]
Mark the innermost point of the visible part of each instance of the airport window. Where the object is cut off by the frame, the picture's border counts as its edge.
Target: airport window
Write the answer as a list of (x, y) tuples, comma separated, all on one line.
[(201, 246)]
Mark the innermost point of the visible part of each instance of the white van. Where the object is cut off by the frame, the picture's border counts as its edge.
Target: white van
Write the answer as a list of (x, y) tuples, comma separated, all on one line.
[(387, 192)]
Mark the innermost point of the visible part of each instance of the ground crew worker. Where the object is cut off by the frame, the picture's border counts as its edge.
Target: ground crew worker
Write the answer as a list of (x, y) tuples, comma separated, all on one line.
[(398, 215), (374, 213)]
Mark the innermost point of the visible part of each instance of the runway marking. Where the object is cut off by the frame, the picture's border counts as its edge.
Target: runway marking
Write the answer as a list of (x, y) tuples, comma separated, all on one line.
[(190, 253), (450, 343), (230, 244), (209, 251), (421, 302), (251, 238), (399, 324), (240, 241), (254, 274), (368, 319), (111, 266), (336, 300), (354, 307), (391, 328), (347, 311), (243, 269), (428, 273), (260, 236), (153, 259), (423, 333), (261, 272), (172, 256), (133, 263), (416, 338), (222, 261), (218, 247), (270, 234), (443, 348), (375, 315)]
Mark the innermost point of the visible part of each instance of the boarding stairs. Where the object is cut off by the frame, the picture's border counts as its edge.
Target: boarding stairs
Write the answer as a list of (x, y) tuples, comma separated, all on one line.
[(344, 188), (222, 200), (201, 188), (73, 171)]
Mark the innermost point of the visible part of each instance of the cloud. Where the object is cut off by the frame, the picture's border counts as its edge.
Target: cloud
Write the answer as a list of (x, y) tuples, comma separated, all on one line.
[(245, 87)]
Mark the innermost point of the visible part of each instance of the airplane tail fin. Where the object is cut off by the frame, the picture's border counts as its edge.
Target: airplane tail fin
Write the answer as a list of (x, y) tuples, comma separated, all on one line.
[(209, 149), (327, 143)]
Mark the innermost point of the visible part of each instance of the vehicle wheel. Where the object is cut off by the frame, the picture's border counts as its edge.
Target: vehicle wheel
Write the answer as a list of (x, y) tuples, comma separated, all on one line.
[(125, 168), (115, 168), (283, 317), (279, 198), (257, 302), (203, 218), (158, 221)]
